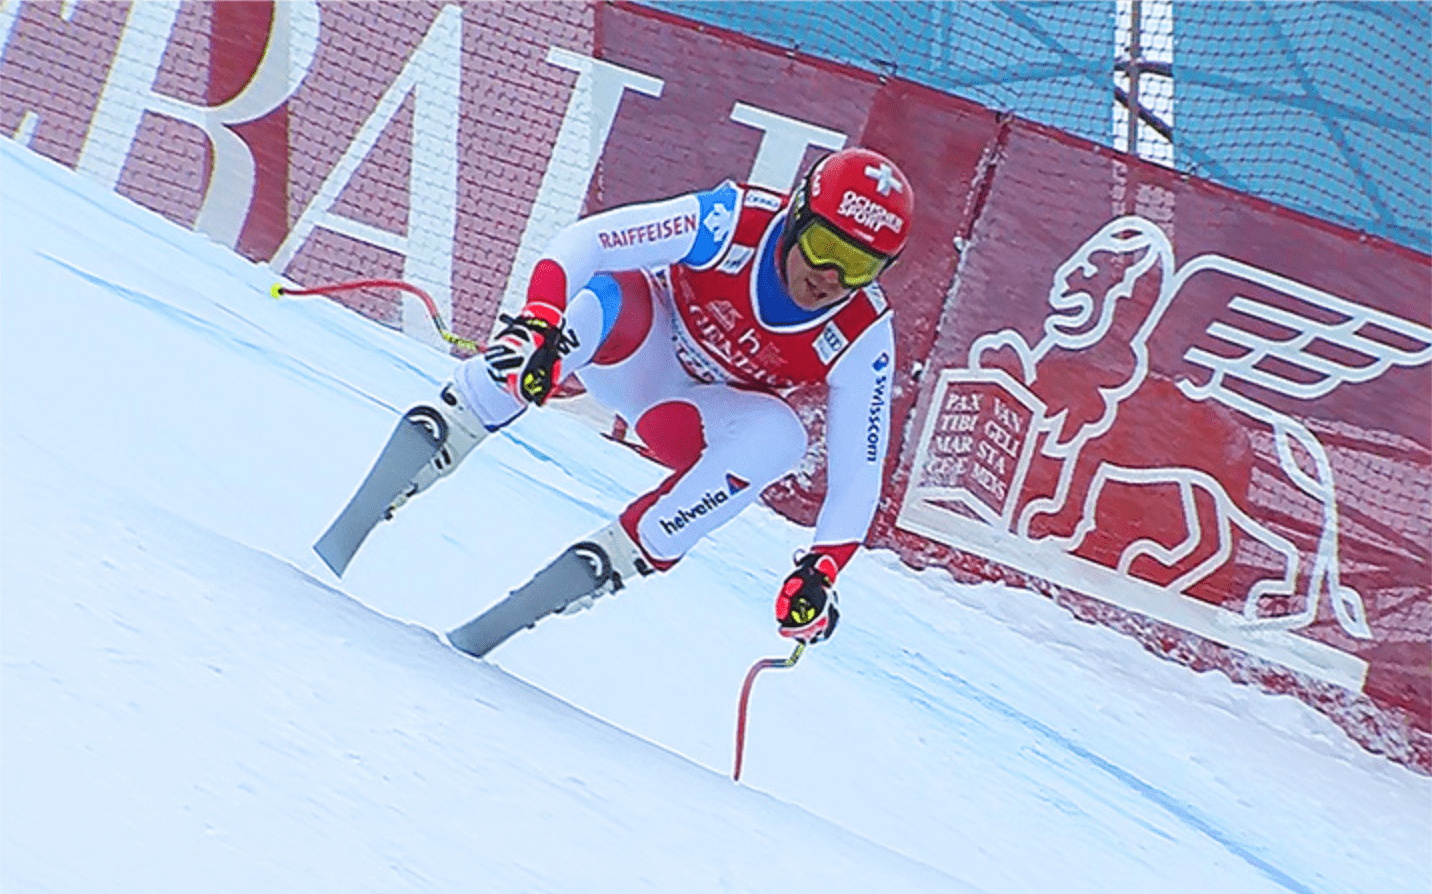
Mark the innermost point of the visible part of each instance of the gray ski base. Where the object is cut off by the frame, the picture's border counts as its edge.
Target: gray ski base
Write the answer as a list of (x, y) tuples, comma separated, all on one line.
[(583, 570), (412, 445)]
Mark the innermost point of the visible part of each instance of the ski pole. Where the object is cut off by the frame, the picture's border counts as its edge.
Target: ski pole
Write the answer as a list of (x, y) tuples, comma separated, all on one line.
[(278, 291), (756, 668)]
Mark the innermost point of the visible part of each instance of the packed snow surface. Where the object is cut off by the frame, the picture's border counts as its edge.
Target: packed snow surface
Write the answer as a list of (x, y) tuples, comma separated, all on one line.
[(192, 702)]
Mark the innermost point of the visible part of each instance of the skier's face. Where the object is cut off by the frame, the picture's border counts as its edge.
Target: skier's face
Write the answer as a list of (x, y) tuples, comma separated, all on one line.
[(812, 288)]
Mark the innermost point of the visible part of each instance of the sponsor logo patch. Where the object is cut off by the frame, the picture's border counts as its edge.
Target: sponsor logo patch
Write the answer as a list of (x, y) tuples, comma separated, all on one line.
[(830, 343), (874, 424), (762, 200), (866, 213), (736, 258), (710, 502), (719, 221), (652, 232)]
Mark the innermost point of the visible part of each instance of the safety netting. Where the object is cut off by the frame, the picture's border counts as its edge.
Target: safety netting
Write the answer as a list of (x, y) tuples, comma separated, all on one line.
[(1323, 107)]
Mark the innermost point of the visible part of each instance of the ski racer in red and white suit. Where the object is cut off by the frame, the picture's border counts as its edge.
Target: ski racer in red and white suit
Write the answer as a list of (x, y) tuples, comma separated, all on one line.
[(691, 318)]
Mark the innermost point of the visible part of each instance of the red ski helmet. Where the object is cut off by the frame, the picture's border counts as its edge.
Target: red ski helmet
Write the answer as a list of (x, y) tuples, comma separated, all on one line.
[(852, 212)]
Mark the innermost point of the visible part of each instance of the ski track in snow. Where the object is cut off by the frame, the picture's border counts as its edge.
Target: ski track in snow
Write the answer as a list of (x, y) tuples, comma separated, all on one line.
[(184, 682)]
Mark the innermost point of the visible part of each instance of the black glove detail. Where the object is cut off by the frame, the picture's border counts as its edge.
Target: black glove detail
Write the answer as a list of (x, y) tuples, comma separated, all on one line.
[(807, 607)]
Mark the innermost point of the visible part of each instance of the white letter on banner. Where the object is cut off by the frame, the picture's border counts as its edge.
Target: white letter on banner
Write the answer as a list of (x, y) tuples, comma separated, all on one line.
[(585, 127), (9, 12), (783, 145), (129, 92), (433, 75)]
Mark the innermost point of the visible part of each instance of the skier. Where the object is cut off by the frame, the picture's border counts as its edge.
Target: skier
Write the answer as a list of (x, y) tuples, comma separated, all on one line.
[(690, 318)]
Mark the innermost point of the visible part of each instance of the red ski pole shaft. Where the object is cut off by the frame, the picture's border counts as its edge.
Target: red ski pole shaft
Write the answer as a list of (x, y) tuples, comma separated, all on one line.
[(278, 291), (756, 668)]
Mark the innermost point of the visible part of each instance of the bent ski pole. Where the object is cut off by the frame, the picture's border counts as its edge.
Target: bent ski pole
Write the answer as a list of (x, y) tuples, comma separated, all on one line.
[(756, 668), (278, 290)]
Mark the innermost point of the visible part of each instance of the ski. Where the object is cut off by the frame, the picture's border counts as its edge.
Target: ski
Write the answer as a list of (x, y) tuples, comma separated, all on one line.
[(417, 439), (582, 573)]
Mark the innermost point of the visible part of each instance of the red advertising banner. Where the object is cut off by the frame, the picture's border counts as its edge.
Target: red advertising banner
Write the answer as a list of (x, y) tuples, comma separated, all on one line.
[(1163, 396), (1179, 411)]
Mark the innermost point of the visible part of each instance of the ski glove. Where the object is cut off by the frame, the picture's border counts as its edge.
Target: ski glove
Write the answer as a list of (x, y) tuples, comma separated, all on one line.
[(807, 607), (526, 357)]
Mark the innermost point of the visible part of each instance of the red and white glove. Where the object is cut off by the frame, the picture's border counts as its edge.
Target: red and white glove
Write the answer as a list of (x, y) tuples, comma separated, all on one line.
[(807, 607), (526, 357)]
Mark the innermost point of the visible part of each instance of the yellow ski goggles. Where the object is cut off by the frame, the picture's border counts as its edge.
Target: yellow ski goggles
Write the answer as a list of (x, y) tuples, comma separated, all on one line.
[(823, 246)]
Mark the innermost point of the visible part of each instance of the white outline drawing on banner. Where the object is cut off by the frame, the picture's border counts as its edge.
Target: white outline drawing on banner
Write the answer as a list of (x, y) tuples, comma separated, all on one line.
[(1079, 320)]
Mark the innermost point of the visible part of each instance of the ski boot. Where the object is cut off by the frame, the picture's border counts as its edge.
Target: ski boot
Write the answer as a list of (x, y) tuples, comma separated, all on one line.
[(460, 433)]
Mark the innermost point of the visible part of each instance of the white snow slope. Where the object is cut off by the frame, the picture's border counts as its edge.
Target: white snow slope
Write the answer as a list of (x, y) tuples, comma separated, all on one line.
[(192, 702)]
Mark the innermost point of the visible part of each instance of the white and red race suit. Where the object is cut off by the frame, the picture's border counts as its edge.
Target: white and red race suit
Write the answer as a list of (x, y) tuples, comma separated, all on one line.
[(677, 319)]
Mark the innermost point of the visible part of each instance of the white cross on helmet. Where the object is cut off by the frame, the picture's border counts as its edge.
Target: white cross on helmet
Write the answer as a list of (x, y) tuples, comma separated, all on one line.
[(884, 177)]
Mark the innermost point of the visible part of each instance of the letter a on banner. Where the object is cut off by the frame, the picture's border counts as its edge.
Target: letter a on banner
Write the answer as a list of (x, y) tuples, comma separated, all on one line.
[(580, 141), (433, 76)]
